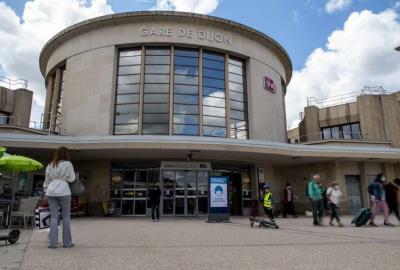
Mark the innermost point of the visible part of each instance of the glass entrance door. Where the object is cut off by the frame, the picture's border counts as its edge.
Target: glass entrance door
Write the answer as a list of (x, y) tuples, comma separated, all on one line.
[(185, 193)]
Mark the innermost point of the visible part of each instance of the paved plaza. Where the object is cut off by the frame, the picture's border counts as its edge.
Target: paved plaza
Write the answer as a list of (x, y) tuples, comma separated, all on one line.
[(184, 243)]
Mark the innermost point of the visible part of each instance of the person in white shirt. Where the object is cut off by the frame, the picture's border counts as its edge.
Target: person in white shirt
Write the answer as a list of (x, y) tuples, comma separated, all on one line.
[(59, 173), (334, 195)]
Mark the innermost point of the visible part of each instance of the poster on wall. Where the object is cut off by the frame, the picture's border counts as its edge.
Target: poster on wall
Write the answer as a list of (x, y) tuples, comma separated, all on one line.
[(218, 199)]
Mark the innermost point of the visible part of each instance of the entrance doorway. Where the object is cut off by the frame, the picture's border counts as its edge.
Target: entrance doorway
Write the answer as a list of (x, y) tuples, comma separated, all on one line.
[(354, 199), (185, 192)]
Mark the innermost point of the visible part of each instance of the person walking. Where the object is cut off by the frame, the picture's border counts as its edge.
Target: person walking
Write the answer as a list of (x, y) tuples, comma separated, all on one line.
[(59, 173), (392, 190), (378, 200), (268, 202), (155, 194), (315, 195), (287, 201), (333, 194)]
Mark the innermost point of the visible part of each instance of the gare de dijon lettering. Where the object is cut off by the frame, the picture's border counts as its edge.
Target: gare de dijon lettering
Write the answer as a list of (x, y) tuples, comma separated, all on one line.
[(188, 33)]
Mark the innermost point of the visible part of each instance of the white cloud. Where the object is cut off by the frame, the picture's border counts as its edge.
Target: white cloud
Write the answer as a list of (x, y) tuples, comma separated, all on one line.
[(335, 5), (23, 38), (361, 54), (196, 6)]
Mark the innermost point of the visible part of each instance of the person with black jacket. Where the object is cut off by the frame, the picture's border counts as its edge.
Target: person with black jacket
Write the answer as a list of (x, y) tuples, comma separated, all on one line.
[(392, 190), (154, 195)]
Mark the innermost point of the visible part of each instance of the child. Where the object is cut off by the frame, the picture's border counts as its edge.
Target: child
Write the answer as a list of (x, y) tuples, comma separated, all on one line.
[(268, 202)]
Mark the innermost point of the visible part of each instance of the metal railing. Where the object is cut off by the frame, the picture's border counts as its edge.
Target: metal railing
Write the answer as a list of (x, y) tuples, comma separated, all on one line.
[(55, 125), (13, 83), (345, 97)]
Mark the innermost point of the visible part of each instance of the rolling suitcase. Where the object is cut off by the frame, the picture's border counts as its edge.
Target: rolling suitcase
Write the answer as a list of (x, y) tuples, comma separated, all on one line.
[(362, 217)]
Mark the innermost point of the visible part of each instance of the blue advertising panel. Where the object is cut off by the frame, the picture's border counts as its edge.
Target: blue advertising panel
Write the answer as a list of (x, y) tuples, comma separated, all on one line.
[(218, 199)]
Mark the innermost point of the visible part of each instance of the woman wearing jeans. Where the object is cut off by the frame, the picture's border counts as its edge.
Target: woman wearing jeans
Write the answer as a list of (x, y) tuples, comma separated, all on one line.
[(59, 173), (334, 195)]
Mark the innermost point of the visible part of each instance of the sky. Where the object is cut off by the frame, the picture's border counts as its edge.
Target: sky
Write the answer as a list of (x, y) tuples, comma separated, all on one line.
[(336, 46)]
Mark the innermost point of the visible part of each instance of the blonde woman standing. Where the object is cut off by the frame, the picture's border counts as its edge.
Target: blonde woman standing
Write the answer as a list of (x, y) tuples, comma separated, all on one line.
[(59, 173)]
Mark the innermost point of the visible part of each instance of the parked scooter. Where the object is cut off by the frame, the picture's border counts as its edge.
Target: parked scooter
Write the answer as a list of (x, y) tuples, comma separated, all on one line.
[(11, 237), (262, 222)]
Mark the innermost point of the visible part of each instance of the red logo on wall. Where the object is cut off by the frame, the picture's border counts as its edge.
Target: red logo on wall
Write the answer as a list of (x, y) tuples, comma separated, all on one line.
[(269, 84)]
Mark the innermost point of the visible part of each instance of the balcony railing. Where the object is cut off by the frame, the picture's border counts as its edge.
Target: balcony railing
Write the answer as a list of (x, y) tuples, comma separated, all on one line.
[(55, 127), (13, 83)]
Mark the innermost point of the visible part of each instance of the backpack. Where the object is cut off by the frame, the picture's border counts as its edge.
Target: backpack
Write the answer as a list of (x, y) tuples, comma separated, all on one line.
[(371, 189)]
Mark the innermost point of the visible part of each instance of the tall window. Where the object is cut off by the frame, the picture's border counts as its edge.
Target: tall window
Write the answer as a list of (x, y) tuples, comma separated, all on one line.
[(348, 131), (57, 127), (237, 100), (186, 92), (156, 91), (127, 97), (214, 115)]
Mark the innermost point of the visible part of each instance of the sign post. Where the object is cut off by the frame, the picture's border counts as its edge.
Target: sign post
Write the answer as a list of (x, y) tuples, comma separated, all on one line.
[(218, 204)]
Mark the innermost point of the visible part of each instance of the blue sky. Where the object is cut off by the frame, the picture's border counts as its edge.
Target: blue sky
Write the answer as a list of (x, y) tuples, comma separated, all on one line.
[(299, 26), (336, 46)]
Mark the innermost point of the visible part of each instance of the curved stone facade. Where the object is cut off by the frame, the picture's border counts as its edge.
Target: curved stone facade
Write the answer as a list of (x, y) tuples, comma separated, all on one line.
[(82, 69)]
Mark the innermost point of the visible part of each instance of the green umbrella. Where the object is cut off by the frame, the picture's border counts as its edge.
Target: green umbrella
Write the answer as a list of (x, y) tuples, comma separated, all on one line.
[(2, 150), (19, 164)]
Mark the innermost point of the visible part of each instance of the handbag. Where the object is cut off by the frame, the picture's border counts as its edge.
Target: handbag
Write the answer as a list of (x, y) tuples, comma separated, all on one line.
[(76, 187)]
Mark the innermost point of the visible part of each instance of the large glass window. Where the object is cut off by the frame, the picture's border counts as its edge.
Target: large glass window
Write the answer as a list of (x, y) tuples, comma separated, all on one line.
[(186, 96), (214, 114), (237, 100), (156, 91), (348, 131), (127, 92)]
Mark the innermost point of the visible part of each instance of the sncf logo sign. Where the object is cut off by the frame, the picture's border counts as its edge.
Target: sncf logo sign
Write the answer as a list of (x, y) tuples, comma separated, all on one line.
[(269, 84)]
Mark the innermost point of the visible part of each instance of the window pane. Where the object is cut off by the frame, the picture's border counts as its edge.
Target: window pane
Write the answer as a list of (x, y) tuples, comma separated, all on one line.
[(126, 119), (213, 83), (346, 132), (156, 118), (186, 99), (128, 79), (213, 64), (237, 115), (235, 87), (212, 73), (164, 60), (238, 134), (190, 53), (216, 102), (187, 70), (156, 98), (186, 89), (186, 109), (161, 129), (235, 78), (213, 56), (156, 108), (128, 61), (237, 105), (128, 88), (238, 124), (129, 70), (214, 121), (236, 96), (214, 131), (121, 99), (130, 53), (235, 69), (126, 129), (186, 61), (212, 111), (213, 92), (326, 133), (186, 119), (156, 88), (159, 69), (181, 79), (335, 132), (127, 109), (356, 132), (186, 129), (157, 51), (148, 78)]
